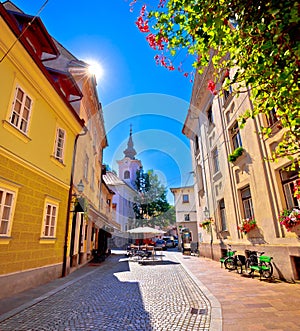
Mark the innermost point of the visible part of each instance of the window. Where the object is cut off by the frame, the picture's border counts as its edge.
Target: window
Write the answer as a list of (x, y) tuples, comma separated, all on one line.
[(210, 115), (272, 118), (185, 198), (50, 220), (223, 215), (199, 174), (288, 179), (247, 203), (21, 110), (7, 199), (60, 144), (227, 92), (186, 217), (236, 136), (196, 145), (215, 158), (126, 174)]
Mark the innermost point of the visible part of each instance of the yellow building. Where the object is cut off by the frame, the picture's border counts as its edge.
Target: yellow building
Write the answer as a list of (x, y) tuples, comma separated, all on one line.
[(234, 183), (37, 134)]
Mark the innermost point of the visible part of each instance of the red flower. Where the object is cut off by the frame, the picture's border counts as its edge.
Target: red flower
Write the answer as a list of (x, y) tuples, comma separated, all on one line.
[(247, 225), (211, 86), (161, 3), (142, 25)]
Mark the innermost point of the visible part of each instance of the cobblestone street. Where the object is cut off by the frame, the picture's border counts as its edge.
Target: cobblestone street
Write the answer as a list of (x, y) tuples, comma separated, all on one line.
[(121, 295)]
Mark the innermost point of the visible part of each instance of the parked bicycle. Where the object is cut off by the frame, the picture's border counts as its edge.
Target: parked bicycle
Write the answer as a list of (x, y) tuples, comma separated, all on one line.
[(233, 261), (195, 249), (256, 261)]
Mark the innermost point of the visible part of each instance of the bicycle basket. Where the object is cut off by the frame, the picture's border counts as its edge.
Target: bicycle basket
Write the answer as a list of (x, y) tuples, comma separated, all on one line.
[(264, 258)]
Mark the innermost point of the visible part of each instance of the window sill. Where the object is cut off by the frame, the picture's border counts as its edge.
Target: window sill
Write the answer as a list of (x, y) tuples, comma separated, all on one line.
[(45, 240), (5, 240), (210, 127), (227, 100), (217, 175), (54, 159), (240, 160), (12, 129), (275, 128)]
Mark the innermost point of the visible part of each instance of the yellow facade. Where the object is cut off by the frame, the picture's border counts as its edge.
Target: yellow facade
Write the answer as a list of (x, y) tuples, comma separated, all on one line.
[(31, 252)]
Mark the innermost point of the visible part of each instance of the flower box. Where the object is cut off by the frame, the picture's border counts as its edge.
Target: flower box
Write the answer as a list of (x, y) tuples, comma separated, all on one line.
[(247, 225), (290, 218)]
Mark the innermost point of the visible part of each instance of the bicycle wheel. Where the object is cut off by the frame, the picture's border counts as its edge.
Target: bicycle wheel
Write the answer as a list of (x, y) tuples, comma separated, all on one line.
[(239, 266), (248, 264), (229, 263), (267, 269)]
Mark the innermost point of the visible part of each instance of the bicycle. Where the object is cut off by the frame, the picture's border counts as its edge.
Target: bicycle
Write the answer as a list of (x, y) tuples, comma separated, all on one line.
[(256, 261), (194, 249), (233, 261)]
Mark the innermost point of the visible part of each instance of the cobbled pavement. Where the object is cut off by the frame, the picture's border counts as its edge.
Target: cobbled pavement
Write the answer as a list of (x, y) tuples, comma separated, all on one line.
[(121, 295)]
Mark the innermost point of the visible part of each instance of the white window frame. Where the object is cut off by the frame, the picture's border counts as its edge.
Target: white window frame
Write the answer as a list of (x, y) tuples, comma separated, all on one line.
[(247, 203), (223, 217), (17, 117), (50, 217), (236, 136), (6, 210), (60, 143)]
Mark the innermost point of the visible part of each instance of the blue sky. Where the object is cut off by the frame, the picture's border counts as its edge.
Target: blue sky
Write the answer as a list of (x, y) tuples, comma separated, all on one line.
[(133, 90)]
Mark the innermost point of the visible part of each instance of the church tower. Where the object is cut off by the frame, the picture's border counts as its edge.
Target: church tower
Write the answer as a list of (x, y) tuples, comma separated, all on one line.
[(129, 165)]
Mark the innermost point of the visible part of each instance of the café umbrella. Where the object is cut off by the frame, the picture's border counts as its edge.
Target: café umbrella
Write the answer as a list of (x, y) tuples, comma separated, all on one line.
[(146, 231)]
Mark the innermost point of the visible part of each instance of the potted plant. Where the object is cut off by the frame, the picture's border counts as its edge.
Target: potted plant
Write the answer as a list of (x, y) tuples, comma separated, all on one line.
[(247, 225), (235, 154), (206, 225), (289, 218)]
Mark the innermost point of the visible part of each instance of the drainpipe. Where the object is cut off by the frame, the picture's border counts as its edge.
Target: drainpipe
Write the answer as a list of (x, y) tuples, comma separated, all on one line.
[(64, 268)]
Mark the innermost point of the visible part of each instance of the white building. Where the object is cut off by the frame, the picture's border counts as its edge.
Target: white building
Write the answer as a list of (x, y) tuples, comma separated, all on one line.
[(185, 208)]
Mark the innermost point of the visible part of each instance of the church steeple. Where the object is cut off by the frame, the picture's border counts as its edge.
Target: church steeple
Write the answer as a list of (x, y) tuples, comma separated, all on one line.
[(130, 151), (129, 165)]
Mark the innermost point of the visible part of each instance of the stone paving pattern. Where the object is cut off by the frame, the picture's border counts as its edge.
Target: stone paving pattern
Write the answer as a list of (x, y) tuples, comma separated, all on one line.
[(121, 295), (183, 293), (247, 303)]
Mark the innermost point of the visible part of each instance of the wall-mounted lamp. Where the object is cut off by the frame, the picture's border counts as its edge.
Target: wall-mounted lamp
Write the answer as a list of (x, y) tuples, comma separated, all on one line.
[(78, 200), (206, 212), (80, 187)]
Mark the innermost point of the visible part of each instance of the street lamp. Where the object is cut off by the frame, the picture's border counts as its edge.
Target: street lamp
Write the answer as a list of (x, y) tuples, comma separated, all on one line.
[(80, 187), (206, 213), (207, 216)]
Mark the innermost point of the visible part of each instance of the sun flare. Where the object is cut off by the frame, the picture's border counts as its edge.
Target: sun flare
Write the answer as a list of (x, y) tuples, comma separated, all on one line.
[(95, 68)]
